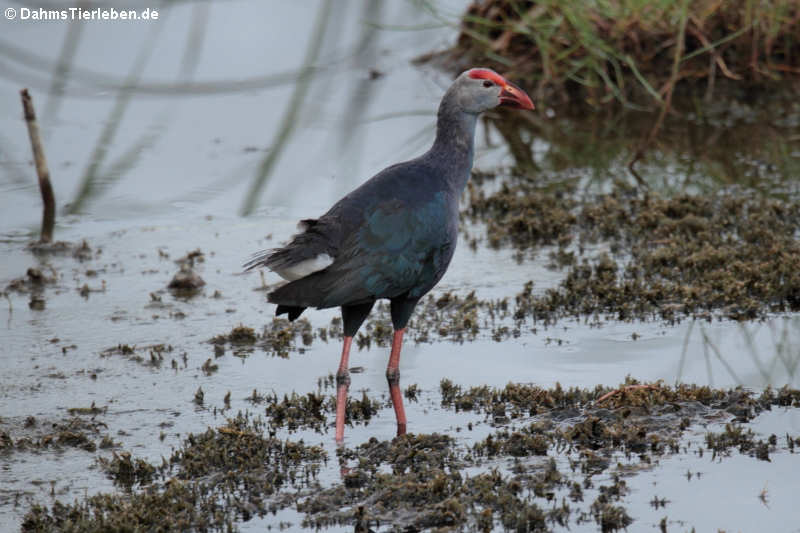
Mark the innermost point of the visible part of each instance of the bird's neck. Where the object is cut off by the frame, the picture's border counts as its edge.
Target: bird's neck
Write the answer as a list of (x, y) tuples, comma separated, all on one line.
[(454, 145)]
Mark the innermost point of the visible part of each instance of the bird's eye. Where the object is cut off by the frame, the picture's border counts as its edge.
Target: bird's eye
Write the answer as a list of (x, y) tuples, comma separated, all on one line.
[(488, 83)]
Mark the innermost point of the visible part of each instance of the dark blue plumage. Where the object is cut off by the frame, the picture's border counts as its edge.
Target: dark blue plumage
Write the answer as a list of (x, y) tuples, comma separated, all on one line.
[(384, 243), (394, 236)]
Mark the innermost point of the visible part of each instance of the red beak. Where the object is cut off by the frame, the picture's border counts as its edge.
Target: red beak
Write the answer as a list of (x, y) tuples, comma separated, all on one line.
[(513, 96)]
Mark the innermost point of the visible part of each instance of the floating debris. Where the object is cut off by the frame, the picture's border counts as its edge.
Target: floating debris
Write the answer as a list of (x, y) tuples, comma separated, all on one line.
[(151, 355), (727, 253), (186, 279), (234, 472), (92, 410), (33, 434), (277, 338), (127, 471), (34, 280), (213, 480)]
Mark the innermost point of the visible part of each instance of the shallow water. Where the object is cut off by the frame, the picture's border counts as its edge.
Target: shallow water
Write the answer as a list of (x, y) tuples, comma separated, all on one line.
[(142, 402), (184, 192)]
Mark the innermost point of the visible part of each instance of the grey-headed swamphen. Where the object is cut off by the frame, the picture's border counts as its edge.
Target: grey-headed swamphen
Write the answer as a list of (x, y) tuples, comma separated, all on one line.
[(393, 237)]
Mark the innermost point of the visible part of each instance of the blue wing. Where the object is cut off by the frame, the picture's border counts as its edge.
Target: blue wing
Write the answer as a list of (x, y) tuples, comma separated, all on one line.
[(396, 250)]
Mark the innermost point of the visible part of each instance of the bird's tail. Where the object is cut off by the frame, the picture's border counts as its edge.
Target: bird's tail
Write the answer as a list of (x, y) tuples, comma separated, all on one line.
[(330, 287), (300, 293), (291, 310), (294, 297)]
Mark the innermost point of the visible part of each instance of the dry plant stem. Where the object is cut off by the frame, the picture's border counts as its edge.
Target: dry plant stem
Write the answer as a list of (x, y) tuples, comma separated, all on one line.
[(48, 198), (289, 120), (608, 395), (670, 86)]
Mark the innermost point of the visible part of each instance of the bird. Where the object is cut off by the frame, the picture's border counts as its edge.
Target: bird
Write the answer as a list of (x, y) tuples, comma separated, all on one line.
[(393, 237)]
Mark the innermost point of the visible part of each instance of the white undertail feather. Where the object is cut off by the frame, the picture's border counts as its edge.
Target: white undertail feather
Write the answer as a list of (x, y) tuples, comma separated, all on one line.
[(304, 268)]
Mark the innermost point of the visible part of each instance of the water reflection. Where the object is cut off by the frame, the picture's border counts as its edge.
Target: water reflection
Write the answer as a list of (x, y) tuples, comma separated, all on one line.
[(189, 110), (183, 108), (699, 151), (751, 354), (289, 120)]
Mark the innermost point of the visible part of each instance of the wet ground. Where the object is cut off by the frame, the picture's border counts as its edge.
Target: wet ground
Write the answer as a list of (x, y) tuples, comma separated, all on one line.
[(131, 367), (125, 399)]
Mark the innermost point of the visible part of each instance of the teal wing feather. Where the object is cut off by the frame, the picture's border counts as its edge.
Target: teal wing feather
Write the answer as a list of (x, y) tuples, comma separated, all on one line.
[(396, 251)]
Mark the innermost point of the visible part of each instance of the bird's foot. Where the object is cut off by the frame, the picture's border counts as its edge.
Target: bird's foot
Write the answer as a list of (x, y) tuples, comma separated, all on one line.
[(393, 377), (342, 379), (397, 400)]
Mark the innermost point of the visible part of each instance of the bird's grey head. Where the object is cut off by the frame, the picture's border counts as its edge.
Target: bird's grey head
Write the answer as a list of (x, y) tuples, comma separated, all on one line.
[(479, 89)]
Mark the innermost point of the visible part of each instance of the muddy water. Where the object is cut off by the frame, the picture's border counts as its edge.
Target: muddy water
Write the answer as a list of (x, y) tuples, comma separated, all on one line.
[(183, 193)]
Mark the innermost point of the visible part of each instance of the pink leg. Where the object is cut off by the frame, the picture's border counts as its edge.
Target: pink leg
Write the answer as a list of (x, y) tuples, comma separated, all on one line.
[(393, 377), (342, 384)]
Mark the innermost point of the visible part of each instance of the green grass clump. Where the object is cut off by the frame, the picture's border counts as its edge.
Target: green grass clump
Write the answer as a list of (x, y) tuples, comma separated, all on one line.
[(633, 51)]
